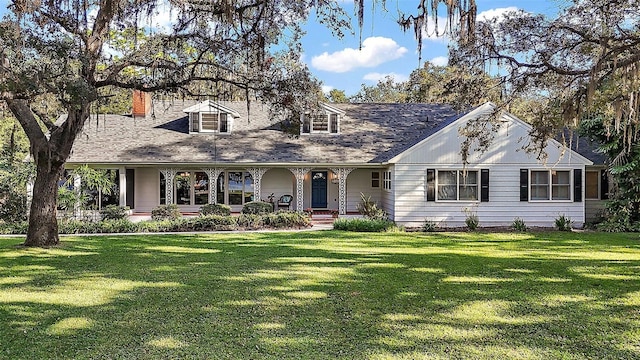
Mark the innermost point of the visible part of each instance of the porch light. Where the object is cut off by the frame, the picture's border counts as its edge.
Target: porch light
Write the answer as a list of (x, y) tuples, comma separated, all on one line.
[(334, 178)]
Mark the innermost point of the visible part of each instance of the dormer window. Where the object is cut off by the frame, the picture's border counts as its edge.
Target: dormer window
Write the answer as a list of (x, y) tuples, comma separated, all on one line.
[(326, 121), (209, 117)]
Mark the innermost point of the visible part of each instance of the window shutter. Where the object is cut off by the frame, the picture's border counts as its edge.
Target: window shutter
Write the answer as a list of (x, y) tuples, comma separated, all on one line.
[(306, 123), (604, 185), (431, 184), (577, 185), (224, 123), (333, 123), (524, 185), (484, 185)]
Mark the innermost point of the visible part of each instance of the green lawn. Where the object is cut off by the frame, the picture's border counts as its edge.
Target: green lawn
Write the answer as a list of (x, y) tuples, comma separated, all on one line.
[(323, 295)]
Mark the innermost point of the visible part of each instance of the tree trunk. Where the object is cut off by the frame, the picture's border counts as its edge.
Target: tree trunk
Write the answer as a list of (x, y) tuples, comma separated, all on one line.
[(43, 223)]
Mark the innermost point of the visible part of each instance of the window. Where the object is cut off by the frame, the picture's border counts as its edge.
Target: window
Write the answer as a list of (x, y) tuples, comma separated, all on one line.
[(550, 185), (209, 122), (453, 185), (235, 188), (375, 179), (190, 188), (592, 182), (320, 123), (386, 180)]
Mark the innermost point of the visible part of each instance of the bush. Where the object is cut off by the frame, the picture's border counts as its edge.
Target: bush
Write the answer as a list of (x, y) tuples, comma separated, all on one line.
[(166, 212), (363, 225), (215, 209), (250, 221), (429, 226), (287, 219), (257, 207), (519, 225), (563, 223), (14, 228), (114, 212), (210, 223), (370, 209)]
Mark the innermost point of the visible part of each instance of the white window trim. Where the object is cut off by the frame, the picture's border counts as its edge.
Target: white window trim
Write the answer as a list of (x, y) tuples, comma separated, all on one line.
[(458, 186), (569, 200), (379, 178), (387, 180), (328, 131), (225, 178), (202, 130)]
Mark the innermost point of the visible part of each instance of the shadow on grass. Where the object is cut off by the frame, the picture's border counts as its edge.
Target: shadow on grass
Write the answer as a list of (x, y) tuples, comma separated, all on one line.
[(323, 295)]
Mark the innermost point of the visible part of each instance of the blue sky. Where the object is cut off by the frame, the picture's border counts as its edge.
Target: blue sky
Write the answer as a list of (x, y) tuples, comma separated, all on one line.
[(386, 49)]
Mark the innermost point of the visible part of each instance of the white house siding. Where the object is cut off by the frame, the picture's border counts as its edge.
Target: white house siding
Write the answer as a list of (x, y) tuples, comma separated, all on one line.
[(388, 197), (147, 189), (504, 159)]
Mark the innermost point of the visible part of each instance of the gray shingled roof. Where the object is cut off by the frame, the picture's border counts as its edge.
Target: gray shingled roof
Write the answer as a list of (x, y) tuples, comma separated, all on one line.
[(369, 133)]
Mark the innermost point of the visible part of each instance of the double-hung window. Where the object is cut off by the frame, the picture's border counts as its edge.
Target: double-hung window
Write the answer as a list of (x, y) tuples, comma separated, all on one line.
[(550, 185), (216, 122), (457, 185), (386, 180)]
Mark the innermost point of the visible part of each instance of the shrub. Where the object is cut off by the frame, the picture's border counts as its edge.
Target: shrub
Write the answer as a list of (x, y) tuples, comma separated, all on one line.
[(518, 225), (287, 219), (210, 223), (471, 219), (257, 207), (166, 212), (14, 228), (114, 212), (429, 226), (370, 209), (250, 221), (215, 209), (363, 225), (563, 223)]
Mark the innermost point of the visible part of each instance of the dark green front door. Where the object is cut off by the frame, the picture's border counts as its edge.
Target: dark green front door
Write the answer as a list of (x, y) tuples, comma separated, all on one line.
[(318, 189)]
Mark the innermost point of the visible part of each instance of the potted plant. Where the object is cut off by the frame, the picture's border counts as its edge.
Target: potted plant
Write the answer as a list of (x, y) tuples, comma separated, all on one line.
[(334, 213), (308, 211)]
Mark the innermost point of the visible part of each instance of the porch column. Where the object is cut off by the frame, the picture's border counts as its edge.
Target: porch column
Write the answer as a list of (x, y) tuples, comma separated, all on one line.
[(342, 174), (257, 181), (299, 173), (213, 183), (169, 175), (122, 180), (77, 188)]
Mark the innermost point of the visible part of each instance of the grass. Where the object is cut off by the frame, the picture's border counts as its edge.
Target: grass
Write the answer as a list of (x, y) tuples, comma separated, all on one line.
[(323, 295)]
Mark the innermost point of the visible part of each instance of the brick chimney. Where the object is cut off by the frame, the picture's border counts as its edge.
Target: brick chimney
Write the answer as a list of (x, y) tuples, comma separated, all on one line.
[(141, 104)]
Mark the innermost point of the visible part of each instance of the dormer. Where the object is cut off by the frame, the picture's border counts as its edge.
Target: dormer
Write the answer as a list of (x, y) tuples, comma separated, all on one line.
[(325, 121), (210, 117)]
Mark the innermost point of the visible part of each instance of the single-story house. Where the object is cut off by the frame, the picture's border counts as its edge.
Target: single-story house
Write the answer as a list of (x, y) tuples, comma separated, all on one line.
[(406, 157)]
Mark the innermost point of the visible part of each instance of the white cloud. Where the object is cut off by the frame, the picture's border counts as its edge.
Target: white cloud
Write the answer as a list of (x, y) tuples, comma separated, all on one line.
[(326, 89), (495, 13), (429, 32), (440, 61), (375, 77), (375, 51)]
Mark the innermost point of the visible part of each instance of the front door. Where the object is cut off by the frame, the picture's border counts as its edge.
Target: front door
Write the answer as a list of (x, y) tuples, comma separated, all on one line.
[(318, 189)]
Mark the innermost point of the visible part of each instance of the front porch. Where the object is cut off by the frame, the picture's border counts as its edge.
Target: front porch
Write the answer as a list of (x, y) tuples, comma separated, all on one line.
[(326, 189)]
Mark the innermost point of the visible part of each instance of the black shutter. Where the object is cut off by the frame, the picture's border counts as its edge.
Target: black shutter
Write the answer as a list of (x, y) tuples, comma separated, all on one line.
[(577, 185), (484, 185), (524, 185), (604, 185), (431, 184)]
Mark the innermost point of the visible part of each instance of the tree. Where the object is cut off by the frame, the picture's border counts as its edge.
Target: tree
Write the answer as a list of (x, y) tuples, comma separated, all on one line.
[(385, 91), (337, 96), (583, 61), (64, 49), (461, 87)]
